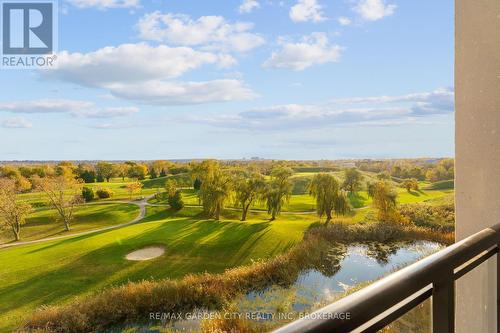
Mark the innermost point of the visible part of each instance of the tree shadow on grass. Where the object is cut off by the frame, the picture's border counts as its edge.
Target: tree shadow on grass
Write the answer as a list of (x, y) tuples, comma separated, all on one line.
[(80, 276), (192, 246), (70, 240), (164, 213), (417, 193), (204, 243)]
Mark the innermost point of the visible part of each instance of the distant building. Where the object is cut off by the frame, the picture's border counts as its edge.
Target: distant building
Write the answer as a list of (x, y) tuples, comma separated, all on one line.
[(347, 164)]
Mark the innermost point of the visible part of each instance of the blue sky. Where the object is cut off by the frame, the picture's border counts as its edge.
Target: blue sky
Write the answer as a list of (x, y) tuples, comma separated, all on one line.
[(297, 79)]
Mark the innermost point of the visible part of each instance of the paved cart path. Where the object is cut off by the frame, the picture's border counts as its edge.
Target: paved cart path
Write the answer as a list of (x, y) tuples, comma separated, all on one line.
[(142, 213)]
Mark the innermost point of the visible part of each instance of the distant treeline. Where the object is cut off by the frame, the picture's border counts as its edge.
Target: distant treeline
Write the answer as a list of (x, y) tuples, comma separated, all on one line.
[(90, 172), (433, 171)]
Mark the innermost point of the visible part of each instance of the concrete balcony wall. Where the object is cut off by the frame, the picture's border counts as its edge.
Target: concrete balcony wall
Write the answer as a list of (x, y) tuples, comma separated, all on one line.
[(477, 88)]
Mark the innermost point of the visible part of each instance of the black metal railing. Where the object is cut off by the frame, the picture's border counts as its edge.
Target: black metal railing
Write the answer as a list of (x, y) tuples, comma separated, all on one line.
[(374, 307)]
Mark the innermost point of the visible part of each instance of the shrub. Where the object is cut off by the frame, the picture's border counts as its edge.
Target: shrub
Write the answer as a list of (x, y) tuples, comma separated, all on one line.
[(88, 176), (197, 184), (175, 201), (440, 218), (88, 194), (104, 193), (410, 184)]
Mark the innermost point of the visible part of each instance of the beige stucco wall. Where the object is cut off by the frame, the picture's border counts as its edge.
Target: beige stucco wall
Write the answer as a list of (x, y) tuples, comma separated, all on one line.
[(477, 89)]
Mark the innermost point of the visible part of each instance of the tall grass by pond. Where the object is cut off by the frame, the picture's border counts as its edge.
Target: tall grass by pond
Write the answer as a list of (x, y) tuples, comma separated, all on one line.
[(417, 320)]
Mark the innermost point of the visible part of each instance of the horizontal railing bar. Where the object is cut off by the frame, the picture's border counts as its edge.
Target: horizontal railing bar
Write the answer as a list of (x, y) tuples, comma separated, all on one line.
[(476, 261), (400, 311), (380, 296)]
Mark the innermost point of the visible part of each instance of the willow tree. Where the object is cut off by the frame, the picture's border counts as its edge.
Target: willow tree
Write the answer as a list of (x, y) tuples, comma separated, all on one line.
[(247, 190), (216, 187), (13, 212), (278, 191), (330, 198), (384, 199), (63, 194)]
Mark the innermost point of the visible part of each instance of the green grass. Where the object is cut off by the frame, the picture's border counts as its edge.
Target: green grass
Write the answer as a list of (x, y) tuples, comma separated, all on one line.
[(189, 197), (150, 186), (442, 185), (420, 196), (305, 202), (120, 191), (44, 222), (359, 199), (118, 186), (182, 179), (55, 271)]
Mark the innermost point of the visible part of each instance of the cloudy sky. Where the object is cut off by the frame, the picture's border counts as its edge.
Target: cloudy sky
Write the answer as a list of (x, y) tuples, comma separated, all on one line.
[(291, 79)]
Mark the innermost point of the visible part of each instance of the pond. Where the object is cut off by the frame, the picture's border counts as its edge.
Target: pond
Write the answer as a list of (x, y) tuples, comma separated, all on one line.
[(340, 268)]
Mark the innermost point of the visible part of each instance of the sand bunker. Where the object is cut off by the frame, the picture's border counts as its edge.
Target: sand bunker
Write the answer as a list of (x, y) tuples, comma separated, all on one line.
[(146, 253)]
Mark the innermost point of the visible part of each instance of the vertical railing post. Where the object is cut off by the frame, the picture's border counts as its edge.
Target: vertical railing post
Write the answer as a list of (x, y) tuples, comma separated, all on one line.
[(443, 304), (498, 288)]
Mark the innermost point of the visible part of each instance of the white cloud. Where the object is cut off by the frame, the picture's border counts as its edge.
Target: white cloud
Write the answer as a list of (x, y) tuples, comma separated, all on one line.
[(72, 107), (320, 114), (175, 93), (128, 63), (434, 102), (45, 106), (373, 10), (103, 4), (314, 49), (364, 111), (226, 61), (247, 6), (210, 32), (307, 10), (344, 21), (303, 117), (16, 122), (112, 112), (108, 126), (144, 73)]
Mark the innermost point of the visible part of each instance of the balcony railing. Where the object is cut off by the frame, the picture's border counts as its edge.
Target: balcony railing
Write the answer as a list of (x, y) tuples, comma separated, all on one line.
[(374, 307)]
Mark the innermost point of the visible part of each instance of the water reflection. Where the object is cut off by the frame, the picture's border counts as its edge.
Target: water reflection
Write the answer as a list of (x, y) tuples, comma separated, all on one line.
[(346, 266), (337, 268)]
